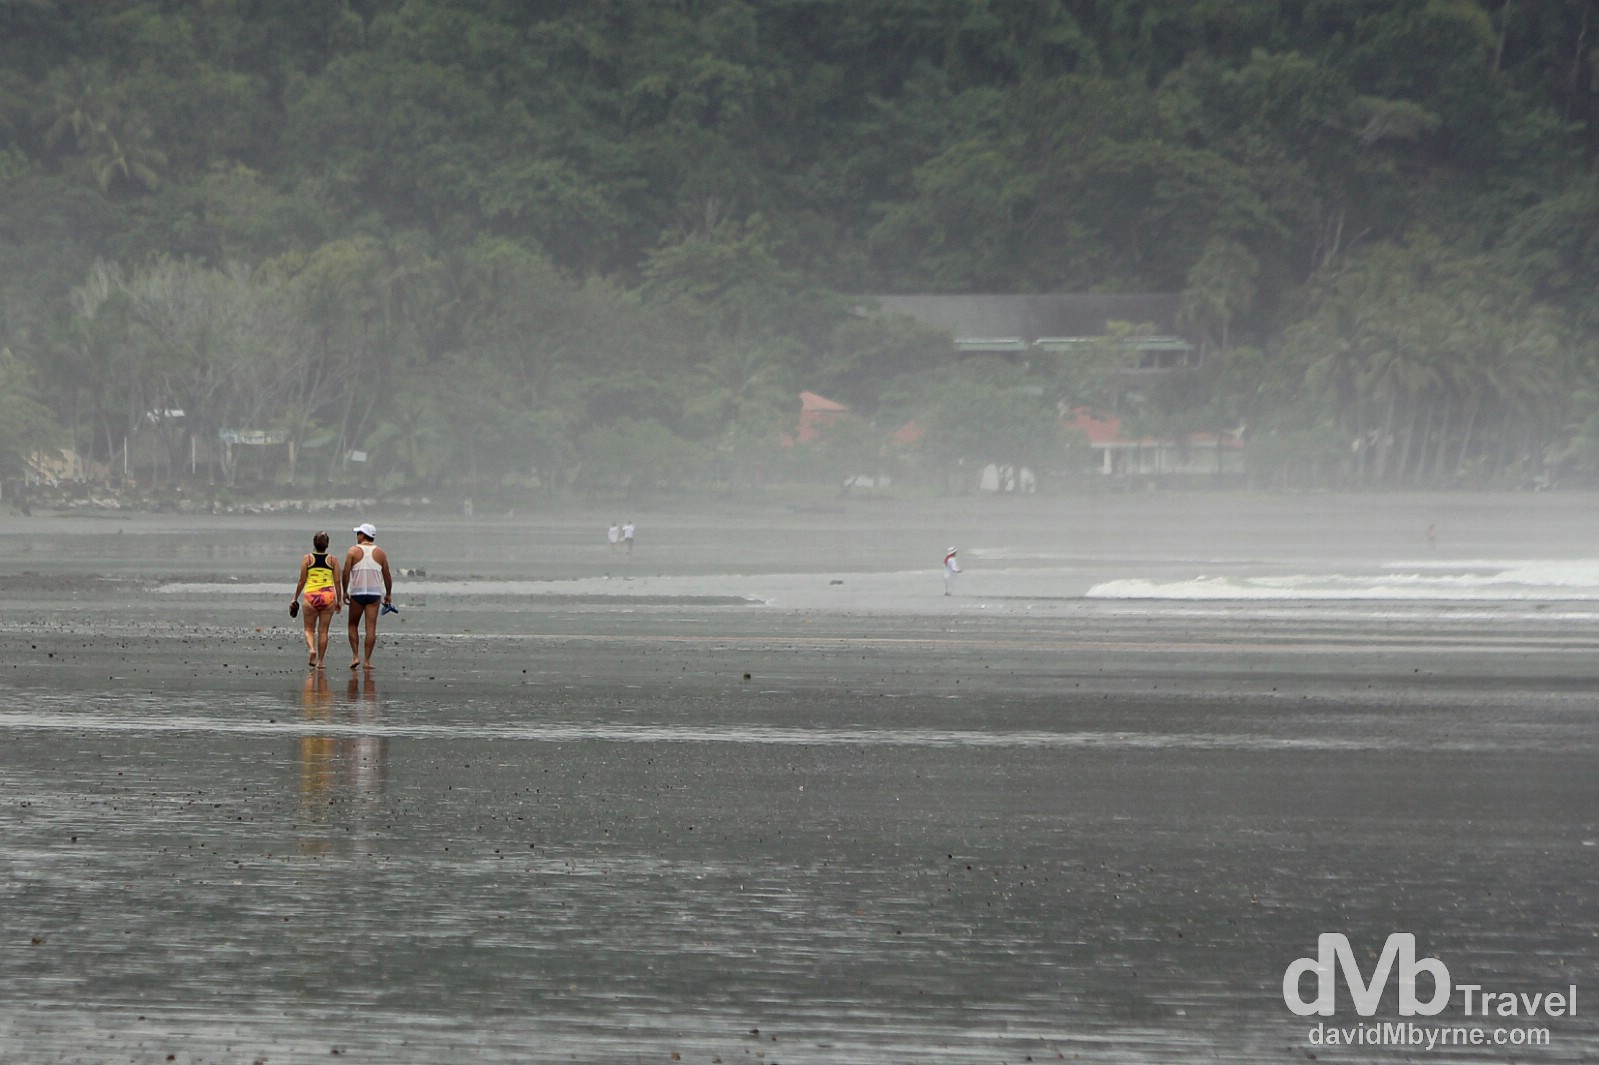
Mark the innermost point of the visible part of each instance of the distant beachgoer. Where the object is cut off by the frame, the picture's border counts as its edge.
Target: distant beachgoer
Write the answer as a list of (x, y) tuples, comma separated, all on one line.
[(613, 534), (952, 566), (367, 586), (319, 580), (627, 536)]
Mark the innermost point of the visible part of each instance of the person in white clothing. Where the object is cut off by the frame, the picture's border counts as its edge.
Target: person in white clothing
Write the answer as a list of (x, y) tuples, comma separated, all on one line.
[(952, 566), (627, 537), (368, 586), (613, 534)]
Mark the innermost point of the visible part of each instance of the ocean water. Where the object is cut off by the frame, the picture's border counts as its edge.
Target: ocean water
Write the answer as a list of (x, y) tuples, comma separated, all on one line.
[(763, 793), (1463, 580), (1470, 580)]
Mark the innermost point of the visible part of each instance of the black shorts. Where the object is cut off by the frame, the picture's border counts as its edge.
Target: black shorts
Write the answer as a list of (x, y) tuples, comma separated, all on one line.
[(366, 600)]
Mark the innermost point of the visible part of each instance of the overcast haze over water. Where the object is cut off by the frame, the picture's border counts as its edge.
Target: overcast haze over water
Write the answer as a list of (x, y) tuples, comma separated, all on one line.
[(762, 792)]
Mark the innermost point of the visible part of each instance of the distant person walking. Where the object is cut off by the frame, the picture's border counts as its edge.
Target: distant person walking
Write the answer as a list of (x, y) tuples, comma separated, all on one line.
[(952, 566), (319, 580), (627, 538), (613, 534), (367, 585)]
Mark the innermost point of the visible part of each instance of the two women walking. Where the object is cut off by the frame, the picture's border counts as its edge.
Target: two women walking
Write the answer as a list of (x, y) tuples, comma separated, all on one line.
[(363, 581)]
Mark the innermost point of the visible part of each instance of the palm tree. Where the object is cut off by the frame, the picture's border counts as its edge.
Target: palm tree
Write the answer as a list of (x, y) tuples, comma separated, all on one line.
[(114, 139), (743, 398)]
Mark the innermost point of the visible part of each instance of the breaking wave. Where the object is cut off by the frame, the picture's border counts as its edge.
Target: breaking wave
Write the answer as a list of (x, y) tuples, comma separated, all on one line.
[(1472, 581)]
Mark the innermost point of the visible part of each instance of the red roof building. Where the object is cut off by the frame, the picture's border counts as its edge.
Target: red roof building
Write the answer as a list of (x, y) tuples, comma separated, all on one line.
[(909, 433), (1118, 454), (816, 412)]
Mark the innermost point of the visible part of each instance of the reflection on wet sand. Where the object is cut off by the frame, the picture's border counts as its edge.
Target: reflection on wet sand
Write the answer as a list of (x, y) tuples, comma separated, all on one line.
[(655, 829), (340, 772)]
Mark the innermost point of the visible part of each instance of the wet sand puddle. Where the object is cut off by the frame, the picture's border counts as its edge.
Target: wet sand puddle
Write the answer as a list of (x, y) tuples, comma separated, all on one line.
[(774, 818), (390, 912), (400, 877), (1237, 721)]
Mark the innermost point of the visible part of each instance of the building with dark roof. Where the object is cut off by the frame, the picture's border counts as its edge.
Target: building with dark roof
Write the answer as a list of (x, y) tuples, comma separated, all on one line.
[(1012, 326)]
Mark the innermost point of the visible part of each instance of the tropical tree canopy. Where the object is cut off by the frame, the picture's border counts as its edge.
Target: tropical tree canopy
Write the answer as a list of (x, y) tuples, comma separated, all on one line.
[(511, 243)]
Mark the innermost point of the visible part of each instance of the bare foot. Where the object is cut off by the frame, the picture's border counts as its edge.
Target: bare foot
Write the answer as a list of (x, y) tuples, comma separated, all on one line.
[(356, 664), (312, 661)]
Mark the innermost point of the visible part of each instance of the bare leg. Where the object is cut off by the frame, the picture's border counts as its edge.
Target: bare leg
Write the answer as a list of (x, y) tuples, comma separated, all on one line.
[(310, 633), (355, 634), (324, 629), (371, 633)]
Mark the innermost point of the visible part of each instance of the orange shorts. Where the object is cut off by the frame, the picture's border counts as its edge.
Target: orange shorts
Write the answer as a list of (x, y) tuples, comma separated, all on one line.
[(320, 599)]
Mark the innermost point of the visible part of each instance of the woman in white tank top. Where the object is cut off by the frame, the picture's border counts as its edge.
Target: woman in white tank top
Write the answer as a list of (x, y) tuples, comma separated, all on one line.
[(367, 584)]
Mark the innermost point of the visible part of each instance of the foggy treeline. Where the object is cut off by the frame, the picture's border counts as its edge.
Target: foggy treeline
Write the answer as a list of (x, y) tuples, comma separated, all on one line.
[(604, 243)]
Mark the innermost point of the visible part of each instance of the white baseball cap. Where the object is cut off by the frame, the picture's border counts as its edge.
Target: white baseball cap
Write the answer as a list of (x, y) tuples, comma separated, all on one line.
[(368, 530)]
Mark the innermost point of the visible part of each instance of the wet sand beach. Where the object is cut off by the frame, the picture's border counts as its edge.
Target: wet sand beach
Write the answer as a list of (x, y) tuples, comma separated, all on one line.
[(762, 793)]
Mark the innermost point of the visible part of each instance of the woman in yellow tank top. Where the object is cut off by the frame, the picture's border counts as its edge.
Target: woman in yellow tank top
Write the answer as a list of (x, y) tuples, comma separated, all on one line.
[(319, 580)]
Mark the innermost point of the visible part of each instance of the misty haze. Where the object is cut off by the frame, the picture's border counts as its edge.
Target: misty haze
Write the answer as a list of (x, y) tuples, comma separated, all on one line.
[(798, 531)]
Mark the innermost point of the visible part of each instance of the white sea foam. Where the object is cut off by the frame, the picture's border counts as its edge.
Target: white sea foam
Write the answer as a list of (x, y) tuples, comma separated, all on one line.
[(1405, 582), (1471, 580)]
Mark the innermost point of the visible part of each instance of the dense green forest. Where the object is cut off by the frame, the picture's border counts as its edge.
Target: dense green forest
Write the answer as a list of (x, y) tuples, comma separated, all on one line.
[(594, 244)]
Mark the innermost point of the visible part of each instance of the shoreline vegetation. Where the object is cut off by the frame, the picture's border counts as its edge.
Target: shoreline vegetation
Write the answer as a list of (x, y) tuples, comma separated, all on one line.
[(426, 244)]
